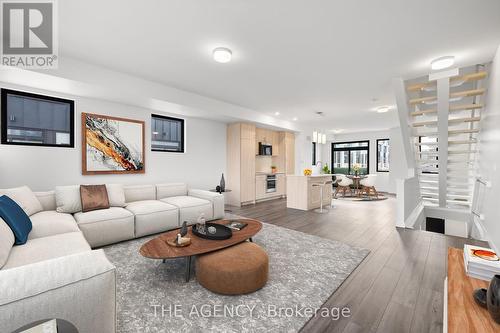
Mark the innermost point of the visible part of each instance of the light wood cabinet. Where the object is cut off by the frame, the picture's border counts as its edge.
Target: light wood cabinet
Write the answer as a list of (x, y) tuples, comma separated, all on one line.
[(280, 184), (247, 170), (289, 153), (275, 142), (303, 195), (260, 187), (242, 147), (240, 164)]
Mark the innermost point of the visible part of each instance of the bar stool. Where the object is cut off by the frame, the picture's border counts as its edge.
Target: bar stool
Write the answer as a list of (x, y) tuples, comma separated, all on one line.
[(321, 187)]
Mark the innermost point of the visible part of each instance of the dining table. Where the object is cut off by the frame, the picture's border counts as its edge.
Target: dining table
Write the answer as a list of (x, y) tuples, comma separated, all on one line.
[(356, 180)]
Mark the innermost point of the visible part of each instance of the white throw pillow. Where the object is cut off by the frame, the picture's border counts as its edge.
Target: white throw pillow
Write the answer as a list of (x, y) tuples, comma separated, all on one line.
[(6, 242), (68, 199), (25, 198), (116, 195)]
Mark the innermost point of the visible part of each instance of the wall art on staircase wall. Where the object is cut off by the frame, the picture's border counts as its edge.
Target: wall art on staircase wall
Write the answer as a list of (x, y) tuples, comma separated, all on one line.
[(112, 145)]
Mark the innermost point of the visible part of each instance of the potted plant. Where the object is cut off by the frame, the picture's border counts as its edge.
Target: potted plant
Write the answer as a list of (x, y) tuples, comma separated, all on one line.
[(326, 169), (356, 167), (274, 169)]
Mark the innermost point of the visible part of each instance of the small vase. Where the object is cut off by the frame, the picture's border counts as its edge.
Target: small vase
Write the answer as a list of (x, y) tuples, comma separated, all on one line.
[(493, 298), (222, 184)]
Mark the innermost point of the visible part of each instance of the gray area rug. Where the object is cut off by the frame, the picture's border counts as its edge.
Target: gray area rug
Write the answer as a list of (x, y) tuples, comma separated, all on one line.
[(304, 271)]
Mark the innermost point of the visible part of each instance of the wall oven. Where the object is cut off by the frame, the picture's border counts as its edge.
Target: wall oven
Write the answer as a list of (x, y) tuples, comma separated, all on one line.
[(271, 183)]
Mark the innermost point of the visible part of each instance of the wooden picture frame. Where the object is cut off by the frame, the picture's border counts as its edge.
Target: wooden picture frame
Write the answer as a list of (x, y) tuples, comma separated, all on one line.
[(113, 145)]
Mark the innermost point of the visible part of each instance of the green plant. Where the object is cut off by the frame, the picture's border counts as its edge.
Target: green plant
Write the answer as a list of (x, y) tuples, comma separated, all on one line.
[(326, 169)]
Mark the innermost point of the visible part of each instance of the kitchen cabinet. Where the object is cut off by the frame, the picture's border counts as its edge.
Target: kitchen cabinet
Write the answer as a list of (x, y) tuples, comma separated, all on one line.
[(240, 166), (301, 194), (280, 184), (245, 183), (260, 187)]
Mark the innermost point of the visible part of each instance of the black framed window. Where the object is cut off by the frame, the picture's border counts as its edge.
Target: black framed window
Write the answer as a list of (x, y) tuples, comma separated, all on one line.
[(314, 153), (383, 151), (167, 134), (347, 154), (37, 120), (429, 144)]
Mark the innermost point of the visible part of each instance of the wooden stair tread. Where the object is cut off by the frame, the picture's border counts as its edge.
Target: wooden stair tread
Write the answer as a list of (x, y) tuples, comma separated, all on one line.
[(467, 77)]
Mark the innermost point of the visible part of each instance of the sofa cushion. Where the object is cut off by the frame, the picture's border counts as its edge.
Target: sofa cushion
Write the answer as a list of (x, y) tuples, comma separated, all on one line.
[(49, 223), (24, 198), (17, 219), (68, 199), (153, 216), (139, 193), (116, 195), (106, 226), (47, 199), (171, 190), (6, 242), (94, 197), (190, 208), (44, 248)]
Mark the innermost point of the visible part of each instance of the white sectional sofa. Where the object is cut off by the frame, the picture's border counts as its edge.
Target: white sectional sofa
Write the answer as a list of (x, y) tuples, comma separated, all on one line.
[(56, 274)]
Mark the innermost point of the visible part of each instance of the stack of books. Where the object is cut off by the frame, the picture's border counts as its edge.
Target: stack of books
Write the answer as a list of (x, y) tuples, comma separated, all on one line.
[(480, 262)]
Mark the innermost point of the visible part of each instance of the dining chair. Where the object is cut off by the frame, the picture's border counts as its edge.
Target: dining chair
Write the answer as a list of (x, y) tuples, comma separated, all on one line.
[(368, 185), (343, 184)]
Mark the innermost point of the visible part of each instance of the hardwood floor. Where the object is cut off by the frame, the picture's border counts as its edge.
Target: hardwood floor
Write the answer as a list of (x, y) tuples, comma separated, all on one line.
[(397, 288)]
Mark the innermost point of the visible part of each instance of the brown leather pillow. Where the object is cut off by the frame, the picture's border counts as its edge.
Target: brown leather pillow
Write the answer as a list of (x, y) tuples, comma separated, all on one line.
[(94, 197)]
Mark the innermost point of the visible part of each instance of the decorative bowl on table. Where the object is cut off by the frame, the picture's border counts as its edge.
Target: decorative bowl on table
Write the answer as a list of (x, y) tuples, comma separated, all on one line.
[(213, 231)]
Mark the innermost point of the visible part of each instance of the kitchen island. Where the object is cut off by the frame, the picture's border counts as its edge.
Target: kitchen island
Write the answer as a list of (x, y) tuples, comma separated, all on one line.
[(301, 193)]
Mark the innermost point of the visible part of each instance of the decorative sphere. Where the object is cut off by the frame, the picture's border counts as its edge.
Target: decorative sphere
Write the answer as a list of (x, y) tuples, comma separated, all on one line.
[(212, 230)]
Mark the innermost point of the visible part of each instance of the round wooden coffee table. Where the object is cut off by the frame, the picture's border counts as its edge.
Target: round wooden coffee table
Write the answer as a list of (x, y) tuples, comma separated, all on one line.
[(157, 248)]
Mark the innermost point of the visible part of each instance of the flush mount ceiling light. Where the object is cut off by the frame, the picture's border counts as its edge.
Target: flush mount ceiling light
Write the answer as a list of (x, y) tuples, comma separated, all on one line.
[(442, 63), (337, 131), (222, 54), (295, 118), (276, 113), (383, 109)]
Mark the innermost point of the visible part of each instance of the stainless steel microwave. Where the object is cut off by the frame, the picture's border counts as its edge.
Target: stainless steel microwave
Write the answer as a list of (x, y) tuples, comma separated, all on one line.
[(265, 149)]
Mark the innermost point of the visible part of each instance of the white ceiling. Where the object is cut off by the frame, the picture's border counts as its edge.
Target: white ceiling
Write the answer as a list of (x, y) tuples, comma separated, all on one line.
[(291, 56)]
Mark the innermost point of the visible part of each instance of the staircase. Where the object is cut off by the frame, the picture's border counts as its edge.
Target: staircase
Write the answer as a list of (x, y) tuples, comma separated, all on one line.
[(444, 111)]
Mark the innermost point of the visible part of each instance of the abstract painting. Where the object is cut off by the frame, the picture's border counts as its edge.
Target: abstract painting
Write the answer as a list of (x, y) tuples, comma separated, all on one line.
[(112, 145)]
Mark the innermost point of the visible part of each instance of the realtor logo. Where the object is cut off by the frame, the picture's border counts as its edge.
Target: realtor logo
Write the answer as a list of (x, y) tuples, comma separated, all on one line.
[(29, 34)]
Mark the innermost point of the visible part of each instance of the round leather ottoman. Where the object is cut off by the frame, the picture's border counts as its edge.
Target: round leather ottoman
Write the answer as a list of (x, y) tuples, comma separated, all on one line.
[(236, 270)]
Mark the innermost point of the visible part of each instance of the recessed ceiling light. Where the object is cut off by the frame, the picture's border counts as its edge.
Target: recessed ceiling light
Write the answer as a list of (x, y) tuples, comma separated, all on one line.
[(382, 109), (442, 63), (295, 118), (222, 54), (337, 131), (276, 113)]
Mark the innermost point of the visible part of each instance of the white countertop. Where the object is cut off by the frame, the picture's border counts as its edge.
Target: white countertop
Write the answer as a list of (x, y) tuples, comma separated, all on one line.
[(259, 173), (314, 176)]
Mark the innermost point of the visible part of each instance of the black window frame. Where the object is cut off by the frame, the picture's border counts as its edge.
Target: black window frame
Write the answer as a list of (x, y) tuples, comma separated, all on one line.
[(314, 153), (378, 155), (349, 149), (183, 131), (4, 123)]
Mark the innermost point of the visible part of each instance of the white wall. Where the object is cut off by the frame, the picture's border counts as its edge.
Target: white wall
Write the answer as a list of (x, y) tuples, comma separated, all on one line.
[(489, 155), (384, 182), (44, 167)]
